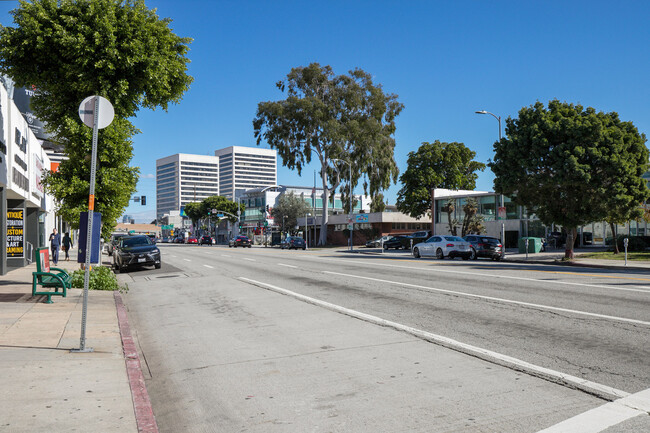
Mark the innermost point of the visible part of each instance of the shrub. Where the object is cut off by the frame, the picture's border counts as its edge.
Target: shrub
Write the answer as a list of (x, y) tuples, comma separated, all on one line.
[(101, 278), (635, 243)]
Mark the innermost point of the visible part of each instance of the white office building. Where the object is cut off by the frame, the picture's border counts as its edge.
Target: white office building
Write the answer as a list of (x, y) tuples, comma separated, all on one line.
[(242, 168), (185, 178)]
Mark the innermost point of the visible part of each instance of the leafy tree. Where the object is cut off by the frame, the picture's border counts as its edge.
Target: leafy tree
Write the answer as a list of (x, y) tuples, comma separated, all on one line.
[(377, 204), (435, 165), (452, 223), (70, 50), (220, 203), (472, 221), (289, 209), (344, 117), (572, 165)]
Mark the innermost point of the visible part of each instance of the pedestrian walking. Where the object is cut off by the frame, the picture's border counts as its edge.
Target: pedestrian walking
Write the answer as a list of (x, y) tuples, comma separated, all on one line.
[(55, 244), (67, 243)]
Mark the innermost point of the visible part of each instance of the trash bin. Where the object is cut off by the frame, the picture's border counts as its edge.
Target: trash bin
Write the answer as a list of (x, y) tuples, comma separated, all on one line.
[(534, 245)]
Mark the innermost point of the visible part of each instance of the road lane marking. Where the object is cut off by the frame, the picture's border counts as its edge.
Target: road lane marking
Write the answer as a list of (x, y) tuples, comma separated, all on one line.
[(605, 416), (598, 389), (507, 277), (187, 260), (250, 260), (172, 256), (288, 266), (208, 266), (225, 255), (491, 298)]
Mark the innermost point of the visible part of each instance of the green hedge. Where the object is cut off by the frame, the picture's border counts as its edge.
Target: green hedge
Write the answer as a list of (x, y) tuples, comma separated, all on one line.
[(101, 278), (635, 243)]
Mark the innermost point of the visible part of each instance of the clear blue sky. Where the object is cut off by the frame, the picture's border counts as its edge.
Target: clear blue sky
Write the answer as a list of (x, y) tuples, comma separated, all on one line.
[(445, 60)]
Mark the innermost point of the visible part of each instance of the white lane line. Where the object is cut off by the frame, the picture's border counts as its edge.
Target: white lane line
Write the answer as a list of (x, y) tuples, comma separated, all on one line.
[(225, 255), (288, 266), (491, 298), (508, 277), (250, 260), (172, 256), (208, 266), (488, 355), (187, 260), (605, 416)]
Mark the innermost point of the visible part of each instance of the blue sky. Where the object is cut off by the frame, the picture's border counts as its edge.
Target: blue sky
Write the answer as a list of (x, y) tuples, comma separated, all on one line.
[(445, 60)]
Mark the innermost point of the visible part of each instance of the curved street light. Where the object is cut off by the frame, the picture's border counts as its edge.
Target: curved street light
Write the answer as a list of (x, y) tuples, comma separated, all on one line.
[(503, 225)]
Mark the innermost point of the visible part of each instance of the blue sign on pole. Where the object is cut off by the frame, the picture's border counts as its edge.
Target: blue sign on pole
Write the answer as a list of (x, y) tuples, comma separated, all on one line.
[(96, 234)]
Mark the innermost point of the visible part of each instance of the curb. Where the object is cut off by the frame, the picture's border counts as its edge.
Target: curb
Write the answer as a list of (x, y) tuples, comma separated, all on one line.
[(144, 417)]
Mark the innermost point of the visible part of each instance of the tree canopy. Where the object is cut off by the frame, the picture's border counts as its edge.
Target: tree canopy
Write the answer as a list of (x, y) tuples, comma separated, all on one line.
[(435, 165), (571, 165), (345, 117), (69, 50), (288, 210)]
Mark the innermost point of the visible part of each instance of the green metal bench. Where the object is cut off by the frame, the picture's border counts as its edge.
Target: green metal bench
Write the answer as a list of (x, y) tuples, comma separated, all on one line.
[(49, 278)]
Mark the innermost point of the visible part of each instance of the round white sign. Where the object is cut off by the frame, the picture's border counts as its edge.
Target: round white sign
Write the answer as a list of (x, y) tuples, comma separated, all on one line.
[(87, 112)]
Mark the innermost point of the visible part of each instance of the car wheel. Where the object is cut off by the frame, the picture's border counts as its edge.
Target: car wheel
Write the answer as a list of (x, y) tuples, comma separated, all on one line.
[(157, 265), (472, 254), (304, 248), (122, 269), (466, 257), (497, 258), (439, 254), (250, 246), (416, 253)]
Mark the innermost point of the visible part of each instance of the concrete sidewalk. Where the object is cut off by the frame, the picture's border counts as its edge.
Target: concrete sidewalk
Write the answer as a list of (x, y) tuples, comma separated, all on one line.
[(45, 387)]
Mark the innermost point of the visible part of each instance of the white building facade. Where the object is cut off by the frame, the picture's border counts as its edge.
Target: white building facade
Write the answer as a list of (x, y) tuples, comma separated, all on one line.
[(242, 168), (184, 178)]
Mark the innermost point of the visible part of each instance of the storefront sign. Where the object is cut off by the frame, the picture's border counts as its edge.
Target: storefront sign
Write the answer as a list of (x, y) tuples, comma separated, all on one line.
[(361, 218), (15, 233), (37, 171)]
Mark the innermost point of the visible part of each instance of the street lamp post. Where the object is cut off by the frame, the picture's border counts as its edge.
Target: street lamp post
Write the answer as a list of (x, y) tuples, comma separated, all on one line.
[(350, 215), (306, 231), (503, 226)]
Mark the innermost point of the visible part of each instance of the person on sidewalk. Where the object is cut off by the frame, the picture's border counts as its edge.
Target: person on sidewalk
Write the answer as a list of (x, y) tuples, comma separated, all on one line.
[(55, 244), (67, 243)]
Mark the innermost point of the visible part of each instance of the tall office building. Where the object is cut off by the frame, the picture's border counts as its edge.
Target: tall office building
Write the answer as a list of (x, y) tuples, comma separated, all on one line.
[(185, 178), (242, 168)]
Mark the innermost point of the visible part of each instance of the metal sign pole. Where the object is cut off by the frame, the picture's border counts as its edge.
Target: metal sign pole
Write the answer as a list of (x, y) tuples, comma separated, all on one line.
[(89, 237)]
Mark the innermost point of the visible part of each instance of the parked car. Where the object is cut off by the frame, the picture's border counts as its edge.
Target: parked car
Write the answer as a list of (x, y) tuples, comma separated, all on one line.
[(240, 241), (192, 240), (485, 246), (115, 238), (166, 240), (376, 243), (420, 236), (179, 240), (293, 242), (137, 250), (205, 239), (396, 242), (443, 246)]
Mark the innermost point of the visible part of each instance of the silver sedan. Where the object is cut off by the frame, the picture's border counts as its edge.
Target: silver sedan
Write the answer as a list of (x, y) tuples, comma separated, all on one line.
[(443, 246)]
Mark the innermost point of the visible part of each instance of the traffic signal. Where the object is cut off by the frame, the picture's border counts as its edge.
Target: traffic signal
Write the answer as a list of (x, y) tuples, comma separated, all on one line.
[(267, 208), (143, 200)]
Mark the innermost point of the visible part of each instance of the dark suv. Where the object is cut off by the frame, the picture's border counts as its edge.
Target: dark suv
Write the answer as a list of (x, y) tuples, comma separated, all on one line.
[(206, 239), (398, 242), (485, 246)]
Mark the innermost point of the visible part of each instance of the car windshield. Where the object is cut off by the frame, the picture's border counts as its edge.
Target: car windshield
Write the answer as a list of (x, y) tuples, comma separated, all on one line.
[(136, 241), (453, 239)]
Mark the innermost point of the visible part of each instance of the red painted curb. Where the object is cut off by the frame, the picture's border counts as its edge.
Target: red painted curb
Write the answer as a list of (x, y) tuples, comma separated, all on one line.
[(144, 416)]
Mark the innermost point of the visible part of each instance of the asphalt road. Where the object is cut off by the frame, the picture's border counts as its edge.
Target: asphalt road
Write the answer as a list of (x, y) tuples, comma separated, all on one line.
[(213, 308)]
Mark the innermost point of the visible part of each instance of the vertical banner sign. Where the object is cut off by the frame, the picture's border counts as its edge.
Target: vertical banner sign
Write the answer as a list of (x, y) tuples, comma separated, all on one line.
[(15, 233)]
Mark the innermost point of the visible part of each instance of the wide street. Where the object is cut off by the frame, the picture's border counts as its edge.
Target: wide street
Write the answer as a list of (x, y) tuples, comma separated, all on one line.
[(264, 339)]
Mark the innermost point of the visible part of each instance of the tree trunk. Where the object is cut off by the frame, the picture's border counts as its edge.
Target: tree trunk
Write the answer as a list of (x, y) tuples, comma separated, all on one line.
[(568, 252), (323, 226), (615, 239)]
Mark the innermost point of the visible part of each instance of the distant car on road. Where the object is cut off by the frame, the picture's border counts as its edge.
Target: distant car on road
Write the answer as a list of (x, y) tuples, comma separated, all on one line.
[(179, 240), (293, 242), (136, 250), (376, 243), (485, 246), (443, 246), (396, 242), (205, 239), (192, 240), (240, 241)]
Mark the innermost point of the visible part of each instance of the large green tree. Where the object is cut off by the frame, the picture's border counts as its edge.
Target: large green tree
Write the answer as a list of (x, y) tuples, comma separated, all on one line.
[(289, 209), (435, 165), (70, 49), (345, 117), (572, 165)]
